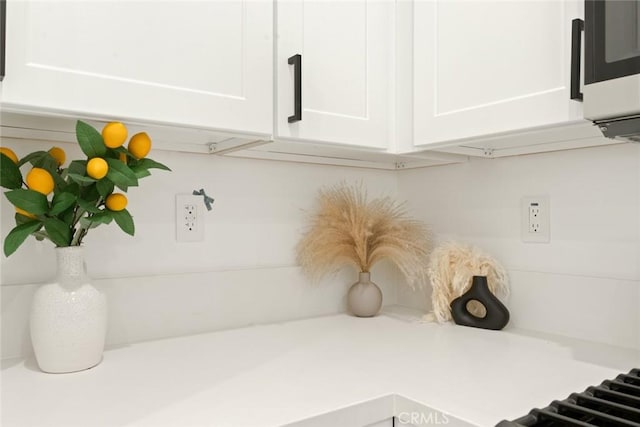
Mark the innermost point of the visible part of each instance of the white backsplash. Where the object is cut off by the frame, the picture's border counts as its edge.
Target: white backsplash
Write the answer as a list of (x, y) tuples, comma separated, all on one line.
[(584, 284), (244, 271), (257, 217)]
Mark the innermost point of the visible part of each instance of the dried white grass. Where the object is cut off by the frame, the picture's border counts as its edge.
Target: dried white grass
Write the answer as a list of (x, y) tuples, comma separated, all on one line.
[(451, 269), (348, 229)]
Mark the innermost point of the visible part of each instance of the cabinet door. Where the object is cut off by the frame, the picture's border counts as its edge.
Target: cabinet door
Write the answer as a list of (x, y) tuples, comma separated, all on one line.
[(346, 70), (486, 67), (199, 63)]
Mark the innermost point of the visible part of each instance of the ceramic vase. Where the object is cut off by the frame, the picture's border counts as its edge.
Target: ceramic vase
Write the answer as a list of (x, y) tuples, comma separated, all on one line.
[(497, 315), (68, 317), (365, 297)]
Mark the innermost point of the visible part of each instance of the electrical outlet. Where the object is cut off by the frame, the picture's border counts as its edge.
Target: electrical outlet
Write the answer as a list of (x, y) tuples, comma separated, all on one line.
[(535, 219), (189, 218)]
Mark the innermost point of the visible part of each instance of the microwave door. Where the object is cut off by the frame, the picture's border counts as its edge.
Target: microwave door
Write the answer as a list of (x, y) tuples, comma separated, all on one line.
[(612, 59), (612, 36)]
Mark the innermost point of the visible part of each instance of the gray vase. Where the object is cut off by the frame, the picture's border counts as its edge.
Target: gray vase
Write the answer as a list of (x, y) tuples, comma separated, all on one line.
[(365, 297)]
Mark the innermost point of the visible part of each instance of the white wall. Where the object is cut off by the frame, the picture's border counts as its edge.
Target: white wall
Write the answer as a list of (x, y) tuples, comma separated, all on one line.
[(243, 273), (585, 283)]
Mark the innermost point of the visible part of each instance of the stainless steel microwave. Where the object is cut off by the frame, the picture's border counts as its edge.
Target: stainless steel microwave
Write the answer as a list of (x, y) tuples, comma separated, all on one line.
[(612, 66)]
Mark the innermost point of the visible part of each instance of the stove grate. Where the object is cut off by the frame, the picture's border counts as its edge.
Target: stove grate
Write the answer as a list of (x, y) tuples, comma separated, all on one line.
[(611, 404)]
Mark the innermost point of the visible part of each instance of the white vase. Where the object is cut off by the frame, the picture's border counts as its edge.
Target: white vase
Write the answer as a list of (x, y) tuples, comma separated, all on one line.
[(365, 297), (69, 317)]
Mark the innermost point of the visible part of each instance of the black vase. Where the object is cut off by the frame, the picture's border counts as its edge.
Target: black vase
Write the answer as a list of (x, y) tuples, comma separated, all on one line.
[(497, 315)]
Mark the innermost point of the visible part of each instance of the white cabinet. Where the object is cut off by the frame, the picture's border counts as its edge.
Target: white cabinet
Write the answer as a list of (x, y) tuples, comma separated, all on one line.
[(347, 66), (489, 67), (464, 77), (196, 63)]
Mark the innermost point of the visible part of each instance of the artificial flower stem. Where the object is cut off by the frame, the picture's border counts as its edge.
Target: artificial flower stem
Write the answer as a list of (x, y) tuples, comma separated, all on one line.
[(82, 231)]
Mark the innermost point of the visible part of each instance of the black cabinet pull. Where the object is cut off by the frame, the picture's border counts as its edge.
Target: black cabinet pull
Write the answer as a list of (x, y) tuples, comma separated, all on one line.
[(296, 61), (577, 27), (3, 33)]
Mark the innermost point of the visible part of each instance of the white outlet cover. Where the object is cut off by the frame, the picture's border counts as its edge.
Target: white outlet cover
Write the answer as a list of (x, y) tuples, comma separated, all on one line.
[(543, 233), (189, 218)]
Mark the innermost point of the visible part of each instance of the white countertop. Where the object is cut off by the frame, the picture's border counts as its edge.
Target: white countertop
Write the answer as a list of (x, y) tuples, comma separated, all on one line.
[(275, 374)]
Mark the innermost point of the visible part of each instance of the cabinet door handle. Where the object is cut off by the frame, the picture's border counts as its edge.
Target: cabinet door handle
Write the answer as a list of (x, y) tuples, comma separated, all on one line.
[(296, 61), (577, 27), (3, 33)]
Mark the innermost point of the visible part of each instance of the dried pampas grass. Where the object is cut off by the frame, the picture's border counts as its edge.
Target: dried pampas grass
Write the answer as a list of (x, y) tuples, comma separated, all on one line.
[(451, 270), (348, 229)]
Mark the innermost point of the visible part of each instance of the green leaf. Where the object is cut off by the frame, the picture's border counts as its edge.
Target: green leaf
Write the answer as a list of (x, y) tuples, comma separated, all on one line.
[(93, 221), (18, 235), (80, 179), (78, 167), (122, 150), (141, 167), (152, 164), (88, 206), (29, 200), (87, 223), (124, 221), (32, 157), (90, 193), (22, 219), (68, 215), (58, 231), (61, 202), (111, 154), (104, 217), (104, 187), (90, 140), (72, 188), (140, 173), (10, 176), (121, 175), (45, 161)]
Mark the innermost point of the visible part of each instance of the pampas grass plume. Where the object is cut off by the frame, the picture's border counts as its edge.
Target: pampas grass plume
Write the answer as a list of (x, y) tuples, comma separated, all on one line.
[(349, 229), (451, 269)]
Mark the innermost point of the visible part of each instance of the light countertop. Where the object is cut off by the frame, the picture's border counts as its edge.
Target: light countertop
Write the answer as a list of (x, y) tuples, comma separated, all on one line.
[(276, 374)]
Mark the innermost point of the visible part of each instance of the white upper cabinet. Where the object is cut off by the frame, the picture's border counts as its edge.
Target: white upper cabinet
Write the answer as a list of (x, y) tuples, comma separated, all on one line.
[(197, 63), (465, 77), (488, 67), (346, 84)]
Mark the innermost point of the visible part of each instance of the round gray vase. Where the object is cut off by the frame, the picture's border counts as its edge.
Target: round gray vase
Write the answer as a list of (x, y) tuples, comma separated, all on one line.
[(365, 297)]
